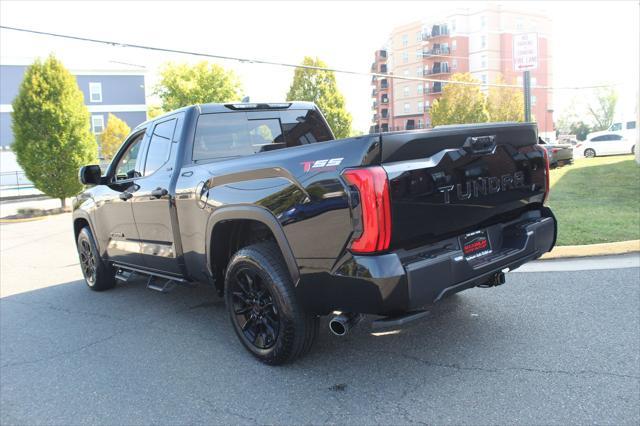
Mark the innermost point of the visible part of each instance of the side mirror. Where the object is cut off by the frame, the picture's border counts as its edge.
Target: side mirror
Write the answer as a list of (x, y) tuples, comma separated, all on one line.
[(90, 175)]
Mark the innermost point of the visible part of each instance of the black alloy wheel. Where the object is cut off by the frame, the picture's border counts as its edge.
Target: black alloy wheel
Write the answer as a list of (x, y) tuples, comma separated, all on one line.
[(254, 309), (87, 261), (263, 306), (98, 274)]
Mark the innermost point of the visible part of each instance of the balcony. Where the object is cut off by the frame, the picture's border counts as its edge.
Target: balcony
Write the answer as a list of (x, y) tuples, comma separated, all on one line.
[(384, 84), (374, 105), (436, 51), (374, 92), (384, 113), (374, 67), (438, 68), (383, 68), (383, 54), (384, 100)]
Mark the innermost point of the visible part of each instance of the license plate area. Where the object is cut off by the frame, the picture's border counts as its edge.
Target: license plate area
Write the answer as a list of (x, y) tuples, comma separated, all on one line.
[(475, 244)]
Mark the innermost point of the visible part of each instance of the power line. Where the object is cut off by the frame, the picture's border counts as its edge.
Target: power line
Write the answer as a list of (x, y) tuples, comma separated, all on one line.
[(283, 64)]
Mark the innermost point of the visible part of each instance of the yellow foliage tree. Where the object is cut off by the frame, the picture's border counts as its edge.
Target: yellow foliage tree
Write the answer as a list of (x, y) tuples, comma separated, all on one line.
[(460, 103), (505, 103), (114, 134)]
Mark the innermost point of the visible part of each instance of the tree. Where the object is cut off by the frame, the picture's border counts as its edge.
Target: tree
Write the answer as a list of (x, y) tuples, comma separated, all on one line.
[(580, 129), (51, 129), (459, 103), (113, 135), (321, 88), (154, 111), (603, 108), (505, 103), (182, 84)]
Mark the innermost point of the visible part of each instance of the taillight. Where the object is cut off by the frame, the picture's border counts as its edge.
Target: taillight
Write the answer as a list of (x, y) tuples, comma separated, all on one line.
[(373, 187), (546, 175)]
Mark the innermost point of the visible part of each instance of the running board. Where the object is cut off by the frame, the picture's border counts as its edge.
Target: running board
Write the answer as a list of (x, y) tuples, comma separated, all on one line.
[(156, 281), (398, 321)]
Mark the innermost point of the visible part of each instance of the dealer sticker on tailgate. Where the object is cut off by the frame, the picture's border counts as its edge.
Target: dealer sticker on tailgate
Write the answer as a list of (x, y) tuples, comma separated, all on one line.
[(475, 244)]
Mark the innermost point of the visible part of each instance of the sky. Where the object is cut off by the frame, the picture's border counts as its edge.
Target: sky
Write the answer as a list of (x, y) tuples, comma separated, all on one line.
[(592, 42)]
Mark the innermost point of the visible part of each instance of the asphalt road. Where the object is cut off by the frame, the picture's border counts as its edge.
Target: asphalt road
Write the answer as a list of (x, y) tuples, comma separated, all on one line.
[(548, 347)]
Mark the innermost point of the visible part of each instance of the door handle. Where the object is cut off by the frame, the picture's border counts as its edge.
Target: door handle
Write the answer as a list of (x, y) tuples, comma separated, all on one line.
[(159, 192), (124, 196)]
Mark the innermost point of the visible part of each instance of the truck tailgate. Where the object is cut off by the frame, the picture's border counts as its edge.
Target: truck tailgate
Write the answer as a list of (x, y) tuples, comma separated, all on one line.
[(457, 179)]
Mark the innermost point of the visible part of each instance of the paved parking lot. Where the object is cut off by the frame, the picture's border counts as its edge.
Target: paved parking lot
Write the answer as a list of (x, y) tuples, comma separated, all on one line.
[(548, 347)]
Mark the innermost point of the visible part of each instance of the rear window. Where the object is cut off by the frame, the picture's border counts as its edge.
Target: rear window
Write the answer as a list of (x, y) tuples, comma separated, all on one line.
[(226, 135)]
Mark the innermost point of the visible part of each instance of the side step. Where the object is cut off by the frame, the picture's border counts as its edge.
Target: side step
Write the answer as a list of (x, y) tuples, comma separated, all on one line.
[(155, 281), (398, 321)]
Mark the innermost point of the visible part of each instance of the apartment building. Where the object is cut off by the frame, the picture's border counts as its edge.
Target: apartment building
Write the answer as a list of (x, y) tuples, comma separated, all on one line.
[(120, 92), (478, 41), (382, 94)]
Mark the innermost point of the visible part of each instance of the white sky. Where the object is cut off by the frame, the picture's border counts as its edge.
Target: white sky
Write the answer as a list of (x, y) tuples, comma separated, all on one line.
[(593, 42)]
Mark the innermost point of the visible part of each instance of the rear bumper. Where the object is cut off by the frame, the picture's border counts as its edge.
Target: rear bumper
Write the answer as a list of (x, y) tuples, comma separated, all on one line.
[(405, 281)]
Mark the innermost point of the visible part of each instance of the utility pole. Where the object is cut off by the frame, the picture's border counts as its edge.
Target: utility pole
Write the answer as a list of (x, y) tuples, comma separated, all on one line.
[(526, 81)]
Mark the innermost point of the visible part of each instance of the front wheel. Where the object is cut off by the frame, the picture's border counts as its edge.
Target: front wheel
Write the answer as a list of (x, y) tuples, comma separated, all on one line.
[(262, 305), (97, 274), (589, 153)]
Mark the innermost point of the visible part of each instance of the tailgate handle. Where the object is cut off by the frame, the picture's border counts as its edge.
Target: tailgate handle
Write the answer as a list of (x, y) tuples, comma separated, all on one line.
[(480, 144)]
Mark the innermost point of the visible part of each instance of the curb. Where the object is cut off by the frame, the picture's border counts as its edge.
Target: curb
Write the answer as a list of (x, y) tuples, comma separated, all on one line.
[(26, 219), (589, 250)]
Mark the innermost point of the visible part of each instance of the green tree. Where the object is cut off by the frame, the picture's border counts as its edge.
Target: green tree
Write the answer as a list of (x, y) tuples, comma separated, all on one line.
[(580, 129), (460, 103), (183, 84), (51, 129), (603, 107), (505, 103), (154, 111), (321, 88), (113, 135)]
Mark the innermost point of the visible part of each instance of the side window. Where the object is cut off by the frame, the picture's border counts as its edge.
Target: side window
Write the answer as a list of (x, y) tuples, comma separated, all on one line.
[(126, 166), (159, 146), (615, 127), (631, 125), (615, 137), (303, 127), (599, 138)]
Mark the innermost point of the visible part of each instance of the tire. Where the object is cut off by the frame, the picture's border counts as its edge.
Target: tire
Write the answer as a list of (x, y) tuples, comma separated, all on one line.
[(264, 311), (97, 273), (589, 153)]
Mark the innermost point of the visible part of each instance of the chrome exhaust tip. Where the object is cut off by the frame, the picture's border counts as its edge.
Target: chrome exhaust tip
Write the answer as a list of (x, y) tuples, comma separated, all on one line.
[(341, 324)]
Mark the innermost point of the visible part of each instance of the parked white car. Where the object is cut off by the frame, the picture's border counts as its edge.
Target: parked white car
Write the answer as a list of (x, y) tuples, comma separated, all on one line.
[(624, 128), (607, 144)]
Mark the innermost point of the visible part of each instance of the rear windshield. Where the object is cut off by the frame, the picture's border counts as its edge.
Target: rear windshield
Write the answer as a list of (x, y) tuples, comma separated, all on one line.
[(225, 135)]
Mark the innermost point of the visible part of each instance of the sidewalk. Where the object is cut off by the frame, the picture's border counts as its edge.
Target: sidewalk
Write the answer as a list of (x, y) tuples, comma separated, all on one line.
[(10, 207)]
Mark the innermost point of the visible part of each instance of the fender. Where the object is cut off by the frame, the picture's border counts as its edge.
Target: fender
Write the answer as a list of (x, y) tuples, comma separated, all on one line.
[(83, 214), (258, 214)]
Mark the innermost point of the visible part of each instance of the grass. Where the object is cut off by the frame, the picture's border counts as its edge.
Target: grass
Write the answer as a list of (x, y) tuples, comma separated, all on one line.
[(597, 200)]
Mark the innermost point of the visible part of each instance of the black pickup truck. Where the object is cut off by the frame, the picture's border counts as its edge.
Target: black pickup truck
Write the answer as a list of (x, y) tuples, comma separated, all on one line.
[(260, 202)]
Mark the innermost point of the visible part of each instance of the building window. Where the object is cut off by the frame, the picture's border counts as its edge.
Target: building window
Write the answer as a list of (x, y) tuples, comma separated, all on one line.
[(419, 72), (453, 25), (406, 72), (97, 124), (418, 53), (519, 81), (405, 57), (454, 64), (519, 24), (483, 61), (407, 107), (533, 100), (420, 89), (405, 40), (534, 82), (420, 106), (454, 45), (95, 92), (419, 36), (484, 79), (483, 21), (420, 123), (405, 91), (483, 42)]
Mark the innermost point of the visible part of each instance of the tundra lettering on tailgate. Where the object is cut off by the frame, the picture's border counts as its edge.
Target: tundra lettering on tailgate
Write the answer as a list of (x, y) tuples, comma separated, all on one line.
[(483, 186)]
